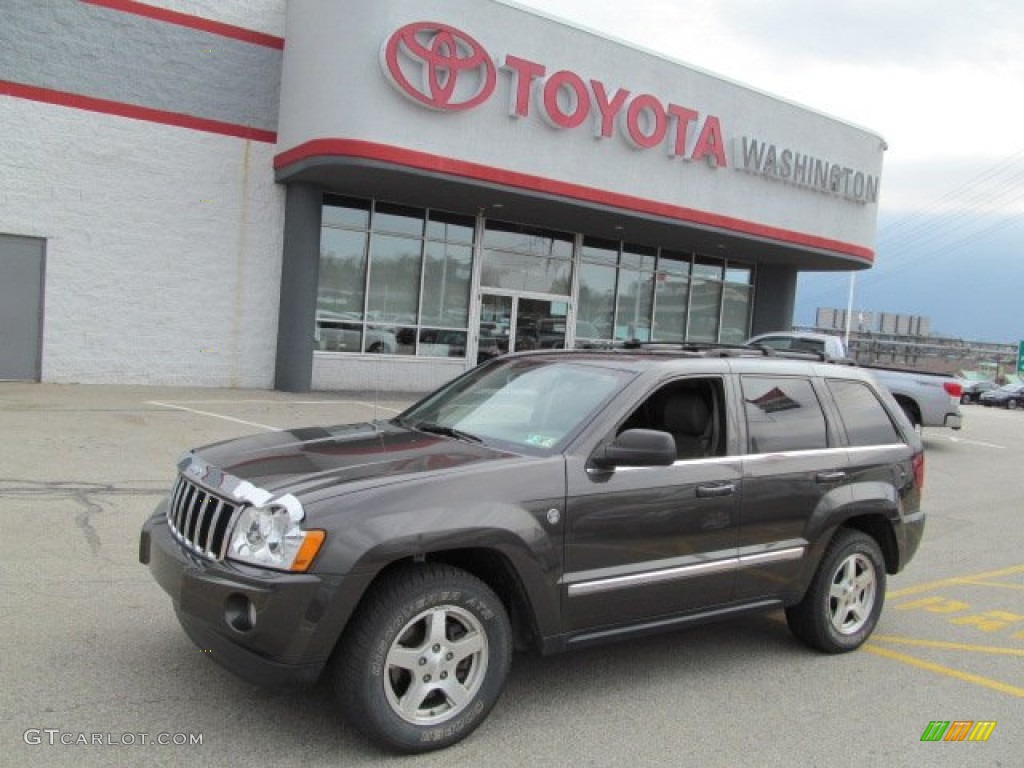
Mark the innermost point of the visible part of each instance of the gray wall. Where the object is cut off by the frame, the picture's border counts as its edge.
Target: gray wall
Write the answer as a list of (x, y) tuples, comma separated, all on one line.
[(774, 299), (84, 49), (300, 267)]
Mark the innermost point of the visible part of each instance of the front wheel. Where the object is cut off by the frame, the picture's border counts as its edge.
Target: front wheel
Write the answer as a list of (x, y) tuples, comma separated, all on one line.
[(425, 659), (842, 605)]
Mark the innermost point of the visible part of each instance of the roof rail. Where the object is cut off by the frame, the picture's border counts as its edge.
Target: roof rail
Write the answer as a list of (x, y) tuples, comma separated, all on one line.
[(712, 349)]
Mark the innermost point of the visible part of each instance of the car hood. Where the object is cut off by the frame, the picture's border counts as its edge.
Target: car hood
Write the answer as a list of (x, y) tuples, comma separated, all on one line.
[(303, 461)]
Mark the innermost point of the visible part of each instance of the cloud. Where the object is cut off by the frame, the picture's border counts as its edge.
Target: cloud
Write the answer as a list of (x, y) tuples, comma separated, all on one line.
[(877, 32)]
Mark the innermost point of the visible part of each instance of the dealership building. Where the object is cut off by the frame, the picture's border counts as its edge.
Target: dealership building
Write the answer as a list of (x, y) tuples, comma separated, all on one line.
[(342, 194)]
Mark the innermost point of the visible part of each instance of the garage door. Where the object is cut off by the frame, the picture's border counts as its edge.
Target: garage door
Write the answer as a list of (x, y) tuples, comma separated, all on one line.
[(21, 306)]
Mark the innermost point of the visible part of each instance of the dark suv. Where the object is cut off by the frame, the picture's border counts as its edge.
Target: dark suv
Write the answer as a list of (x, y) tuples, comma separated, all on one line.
[(544, 501)]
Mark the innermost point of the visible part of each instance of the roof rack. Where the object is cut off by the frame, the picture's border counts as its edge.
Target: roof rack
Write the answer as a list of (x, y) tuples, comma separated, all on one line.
[(712, 349)]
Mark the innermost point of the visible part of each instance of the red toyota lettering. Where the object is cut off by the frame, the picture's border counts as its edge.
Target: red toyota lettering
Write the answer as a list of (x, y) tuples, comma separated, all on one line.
[(572, 85), (608, 108), (524, 73)]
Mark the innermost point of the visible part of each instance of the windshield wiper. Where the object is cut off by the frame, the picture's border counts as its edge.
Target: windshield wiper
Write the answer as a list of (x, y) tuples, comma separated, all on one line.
[(441, 429)]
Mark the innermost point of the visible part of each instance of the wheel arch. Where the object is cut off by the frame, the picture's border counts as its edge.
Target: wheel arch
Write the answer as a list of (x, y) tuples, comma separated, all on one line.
[(877, 526), (497, 569), (910, 408)]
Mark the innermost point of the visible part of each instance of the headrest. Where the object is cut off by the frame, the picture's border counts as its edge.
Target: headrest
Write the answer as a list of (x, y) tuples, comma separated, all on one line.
[(686, 413)]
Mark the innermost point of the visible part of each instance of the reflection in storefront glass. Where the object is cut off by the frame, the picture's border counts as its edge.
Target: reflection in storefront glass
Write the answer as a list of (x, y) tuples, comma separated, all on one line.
[(376, 290), (396, 280)]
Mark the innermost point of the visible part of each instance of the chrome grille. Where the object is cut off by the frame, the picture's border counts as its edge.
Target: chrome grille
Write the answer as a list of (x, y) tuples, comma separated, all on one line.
[(199, 519)]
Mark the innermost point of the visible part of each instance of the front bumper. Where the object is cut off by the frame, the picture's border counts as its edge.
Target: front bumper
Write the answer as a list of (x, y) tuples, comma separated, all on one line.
[(267, 628)]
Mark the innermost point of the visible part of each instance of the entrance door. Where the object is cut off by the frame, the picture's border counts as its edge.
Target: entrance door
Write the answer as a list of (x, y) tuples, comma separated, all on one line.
[(513, 323), (21, 306)]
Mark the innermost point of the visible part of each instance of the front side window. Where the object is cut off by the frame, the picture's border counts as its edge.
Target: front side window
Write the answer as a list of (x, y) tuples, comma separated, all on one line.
[(783, 414)]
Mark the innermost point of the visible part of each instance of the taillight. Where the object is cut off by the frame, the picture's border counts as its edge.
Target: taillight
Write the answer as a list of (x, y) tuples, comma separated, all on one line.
[(918, 464), (953, 389)]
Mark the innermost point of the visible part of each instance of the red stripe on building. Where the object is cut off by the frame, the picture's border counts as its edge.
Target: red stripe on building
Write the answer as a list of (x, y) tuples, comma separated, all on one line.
[(192, 22), (135, 112), (367, 150)]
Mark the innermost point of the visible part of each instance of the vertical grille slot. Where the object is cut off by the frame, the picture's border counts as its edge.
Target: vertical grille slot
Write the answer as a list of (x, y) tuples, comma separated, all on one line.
[(199, 519)]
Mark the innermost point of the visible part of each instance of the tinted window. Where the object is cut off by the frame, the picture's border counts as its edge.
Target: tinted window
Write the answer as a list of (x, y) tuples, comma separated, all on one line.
[(783, 414), (863, 415)]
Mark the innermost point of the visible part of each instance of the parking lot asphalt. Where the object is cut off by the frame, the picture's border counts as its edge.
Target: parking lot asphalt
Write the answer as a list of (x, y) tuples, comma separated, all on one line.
[(94, 655)]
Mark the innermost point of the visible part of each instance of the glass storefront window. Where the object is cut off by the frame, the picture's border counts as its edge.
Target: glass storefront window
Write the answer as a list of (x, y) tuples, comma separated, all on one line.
[(705, 303), (670, 297), (377, 290), (346, 212), (394, 279), (447, 272), (741, 274), (439, 342), (544, 243), (735, 313), (450, 227), (595, 312), (398, 219), (519, 258), (524, 272), (708, 268), (397, 280), (635, 304), (597, 251)]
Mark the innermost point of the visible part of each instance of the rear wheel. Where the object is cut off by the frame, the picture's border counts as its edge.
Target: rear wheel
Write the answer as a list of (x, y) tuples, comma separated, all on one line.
[(842, 605), (425, 659)]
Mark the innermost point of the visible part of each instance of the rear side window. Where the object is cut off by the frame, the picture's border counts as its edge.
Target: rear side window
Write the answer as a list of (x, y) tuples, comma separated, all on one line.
[(865, 418), (783, 414)]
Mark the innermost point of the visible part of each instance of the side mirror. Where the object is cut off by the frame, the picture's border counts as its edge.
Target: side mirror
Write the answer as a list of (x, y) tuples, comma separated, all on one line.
[(637, 448)]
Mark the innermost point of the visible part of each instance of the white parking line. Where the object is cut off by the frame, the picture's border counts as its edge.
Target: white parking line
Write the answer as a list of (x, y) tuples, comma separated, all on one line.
[(968, 442), (214, 415)]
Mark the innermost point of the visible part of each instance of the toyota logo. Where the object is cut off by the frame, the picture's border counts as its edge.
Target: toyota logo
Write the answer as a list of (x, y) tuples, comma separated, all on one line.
[(438, 66)]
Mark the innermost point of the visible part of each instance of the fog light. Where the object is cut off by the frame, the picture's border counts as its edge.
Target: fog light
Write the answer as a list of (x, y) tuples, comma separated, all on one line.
[(240, 613)]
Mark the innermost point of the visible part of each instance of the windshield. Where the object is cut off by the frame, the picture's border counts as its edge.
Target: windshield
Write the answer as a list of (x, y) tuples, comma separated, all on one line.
[(532, 405)]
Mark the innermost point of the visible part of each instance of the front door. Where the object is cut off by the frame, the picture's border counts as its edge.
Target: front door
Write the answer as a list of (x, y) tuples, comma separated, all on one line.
[(515, 323)]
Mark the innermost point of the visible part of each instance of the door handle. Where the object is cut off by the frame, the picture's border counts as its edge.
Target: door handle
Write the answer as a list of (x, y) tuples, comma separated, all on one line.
[(715, 490), (826, 478)]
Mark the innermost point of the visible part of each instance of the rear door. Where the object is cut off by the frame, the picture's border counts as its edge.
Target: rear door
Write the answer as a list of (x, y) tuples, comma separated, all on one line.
[(794, 472)]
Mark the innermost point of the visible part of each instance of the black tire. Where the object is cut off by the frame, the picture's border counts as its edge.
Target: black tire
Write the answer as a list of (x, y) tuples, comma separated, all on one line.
[(965, 399), (376, 348), (409, 708), (1011, 404), (842, 605)]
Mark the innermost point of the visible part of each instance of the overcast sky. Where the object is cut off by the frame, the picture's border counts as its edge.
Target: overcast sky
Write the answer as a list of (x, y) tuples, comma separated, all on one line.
[(942, 81)]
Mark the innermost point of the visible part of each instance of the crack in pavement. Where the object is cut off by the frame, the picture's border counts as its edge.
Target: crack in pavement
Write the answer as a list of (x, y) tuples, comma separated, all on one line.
[(81, 493)]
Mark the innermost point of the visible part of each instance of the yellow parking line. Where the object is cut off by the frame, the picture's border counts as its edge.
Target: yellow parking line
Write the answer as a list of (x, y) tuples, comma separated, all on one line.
[(954, 581), (948, 646), (977, 583), (984, 682)]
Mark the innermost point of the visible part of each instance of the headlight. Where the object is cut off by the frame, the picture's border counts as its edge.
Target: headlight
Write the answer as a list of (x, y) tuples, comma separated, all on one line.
[(270, 536)]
